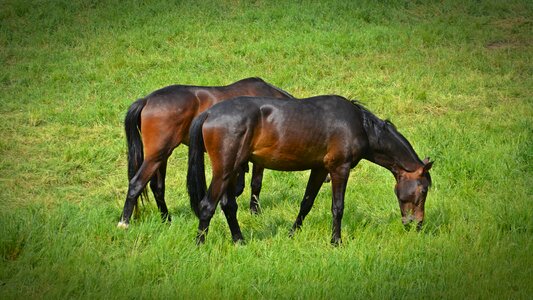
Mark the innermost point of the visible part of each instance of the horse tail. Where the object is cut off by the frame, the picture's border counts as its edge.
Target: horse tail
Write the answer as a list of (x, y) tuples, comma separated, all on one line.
[(132, 126), (196, 183)]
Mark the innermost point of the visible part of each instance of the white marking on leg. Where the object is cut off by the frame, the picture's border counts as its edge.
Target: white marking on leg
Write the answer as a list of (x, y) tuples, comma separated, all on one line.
[(256, 202), (122, 225)]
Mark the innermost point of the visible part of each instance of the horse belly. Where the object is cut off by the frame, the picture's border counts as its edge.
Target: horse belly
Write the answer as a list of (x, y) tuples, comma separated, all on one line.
[(293, 160)]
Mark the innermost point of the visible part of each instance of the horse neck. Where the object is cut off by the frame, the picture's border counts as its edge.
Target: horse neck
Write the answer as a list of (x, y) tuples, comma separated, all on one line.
[(387, 147)]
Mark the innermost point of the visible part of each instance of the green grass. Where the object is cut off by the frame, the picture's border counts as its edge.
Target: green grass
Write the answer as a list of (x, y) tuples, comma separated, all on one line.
[(454, 76)]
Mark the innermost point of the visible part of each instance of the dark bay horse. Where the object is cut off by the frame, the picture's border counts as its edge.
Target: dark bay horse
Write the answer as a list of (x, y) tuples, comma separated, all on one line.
[(326, 134), (163, 118)]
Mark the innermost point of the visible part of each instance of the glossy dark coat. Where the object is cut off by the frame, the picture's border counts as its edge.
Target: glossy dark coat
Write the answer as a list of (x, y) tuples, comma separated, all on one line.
[(163, 118), (326, 134)]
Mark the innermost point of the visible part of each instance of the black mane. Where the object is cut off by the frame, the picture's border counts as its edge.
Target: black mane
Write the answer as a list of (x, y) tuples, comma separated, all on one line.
[(371, 119), (380, 132)]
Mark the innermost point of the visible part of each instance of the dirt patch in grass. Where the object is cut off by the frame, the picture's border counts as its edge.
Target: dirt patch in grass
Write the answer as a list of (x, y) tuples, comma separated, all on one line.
[(513, 27), (511, 23), (503, 44)]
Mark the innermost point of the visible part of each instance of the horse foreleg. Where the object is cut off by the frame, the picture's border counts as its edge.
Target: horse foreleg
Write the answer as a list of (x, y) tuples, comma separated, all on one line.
[(339, 179), (313, 186), (157, 184), (257, 179)]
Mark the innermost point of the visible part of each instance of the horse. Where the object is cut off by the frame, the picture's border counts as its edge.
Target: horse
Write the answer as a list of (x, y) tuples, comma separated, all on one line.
[(163, 118), (324, 134)]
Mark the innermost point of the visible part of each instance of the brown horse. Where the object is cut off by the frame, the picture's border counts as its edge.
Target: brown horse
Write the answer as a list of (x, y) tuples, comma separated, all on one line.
[(163, 118), (323, 134)]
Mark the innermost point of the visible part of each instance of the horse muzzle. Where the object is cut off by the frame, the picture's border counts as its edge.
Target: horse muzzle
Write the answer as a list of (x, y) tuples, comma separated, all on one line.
[(413, 213)]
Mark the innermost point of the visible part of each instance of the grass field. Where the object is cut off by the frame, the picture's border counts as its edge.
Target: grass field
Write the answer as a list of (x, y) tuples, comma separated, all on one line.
[(454, 76)]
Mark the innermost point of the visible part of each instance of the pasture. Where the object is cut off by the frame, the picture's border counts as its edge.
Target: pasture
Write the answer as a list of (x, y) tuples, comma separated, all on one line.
[(455, 77)]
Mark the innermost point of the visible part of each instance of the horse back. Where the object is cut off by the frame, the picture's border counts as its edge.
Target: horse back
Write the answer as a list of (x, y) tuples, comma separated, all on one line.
[(177, 98), (169, 111), (288, 134)]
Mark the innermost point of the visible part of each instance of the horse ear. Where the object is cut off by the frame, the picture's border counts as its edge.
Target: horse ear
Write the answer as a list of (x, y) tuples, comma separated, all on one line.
[(426, 160)]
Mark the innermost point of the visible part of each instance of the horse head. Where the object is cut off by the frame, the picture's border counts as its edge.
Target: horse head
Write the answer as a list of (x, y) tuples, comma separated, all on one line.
[(411, 189)]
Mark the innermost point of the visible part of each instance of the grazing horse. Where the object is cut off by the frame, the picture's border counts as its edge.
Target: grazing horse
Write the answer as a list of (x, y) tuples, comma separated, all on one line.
[(163, 118), (326, 134)]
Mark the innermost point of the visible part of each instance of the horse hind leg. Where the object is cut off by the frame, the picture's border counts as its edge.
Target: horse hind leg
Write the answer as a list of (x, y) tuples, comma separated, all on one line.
[(135, 188), (239, 183), (257, 179), (156, 152), (222, 187), (160, 137), (229, 206), (208, 204), (226, 161), (222, 190), (157, 184)]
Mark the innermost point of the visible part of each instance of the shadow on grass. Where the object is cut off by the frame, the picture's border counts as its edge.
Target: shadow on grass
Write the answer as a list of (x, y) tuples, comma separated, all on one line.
[(270, 228)]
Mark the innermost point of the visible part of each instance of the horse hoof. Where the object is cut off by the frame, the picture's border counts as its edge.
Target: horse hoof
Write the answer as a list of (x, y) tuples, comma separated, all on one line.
[(293, 230), (255, 209), (200, 239), (166, 220), (122, 225), (419, 226), (336, 242), (239, 242)]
